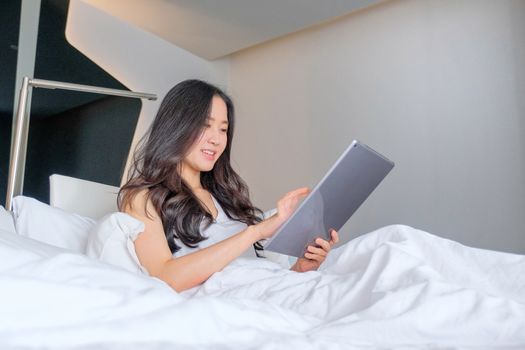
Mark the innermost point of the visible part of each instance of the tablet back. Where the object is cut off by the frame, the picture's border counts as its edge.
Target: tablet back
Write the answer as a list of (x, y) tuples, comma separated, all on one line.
[(343, 189)]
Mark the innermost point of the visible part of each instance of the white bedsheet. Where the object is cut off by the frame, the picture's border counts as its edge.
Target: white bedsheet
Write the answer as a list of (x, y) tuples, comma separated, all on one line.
[(396, 287)]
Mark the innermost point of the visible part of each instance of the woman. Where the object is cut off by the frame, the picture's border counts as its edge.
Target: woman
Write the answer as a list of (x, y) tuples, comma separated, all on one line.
[(196, 210)]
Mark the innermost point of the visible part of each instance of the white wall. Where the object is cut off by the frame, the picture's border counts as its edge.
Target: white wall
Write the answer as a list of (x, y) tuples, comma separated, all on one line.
[(437, 86)]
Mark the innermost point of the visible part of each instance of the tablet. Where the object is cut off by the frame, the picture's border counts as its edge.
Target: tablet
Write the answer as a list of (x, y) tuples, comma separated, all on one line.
[(352, 178)]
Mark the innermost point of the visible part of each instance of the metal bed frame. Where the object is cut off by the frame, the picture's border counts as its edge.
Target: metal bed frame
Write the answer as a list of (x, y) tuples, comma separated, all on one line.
[(21, 127)]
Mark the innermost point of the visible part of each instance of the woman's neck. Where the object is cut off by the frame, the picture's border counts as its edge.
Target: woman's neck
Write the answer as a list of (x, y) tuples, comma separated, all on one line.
[(192, 177)]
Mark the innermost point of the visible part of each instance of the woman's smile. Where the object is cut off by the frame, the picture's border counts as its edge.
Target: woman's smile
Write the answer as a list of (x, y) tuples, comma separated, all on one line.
[(208, 154)]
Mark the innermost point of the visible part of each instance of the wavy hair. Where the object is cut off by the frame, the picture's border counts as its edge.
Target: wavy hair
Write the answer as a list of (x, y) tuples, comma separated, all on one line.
[(157, 161)]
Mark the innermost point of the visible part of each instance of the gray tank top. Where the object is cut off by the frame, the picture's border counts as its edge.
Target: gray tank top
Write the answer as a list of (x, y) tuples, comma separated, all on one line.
[(220, 229)]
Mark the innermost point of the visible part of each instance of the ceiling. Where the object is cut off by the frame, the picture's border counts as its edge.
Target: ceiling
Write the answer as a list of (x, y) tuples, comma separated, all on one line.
[(212, 29), (208, 28)]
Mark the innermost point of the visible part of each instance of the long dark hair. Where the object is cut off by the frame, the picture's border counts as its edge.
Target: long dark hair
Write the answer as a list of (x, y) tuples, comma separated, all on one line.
[(179, 122)]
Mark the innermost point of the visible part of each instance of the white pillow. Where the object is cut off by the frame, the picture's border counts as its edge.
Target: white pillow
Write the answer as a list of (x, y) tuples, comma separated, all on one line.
[(111, 240), (7, 222), (51, 225)]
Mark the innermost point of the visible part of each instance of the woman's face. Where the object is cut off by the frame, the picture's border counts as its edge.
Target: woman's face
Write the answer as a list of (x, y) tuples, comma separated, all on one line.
[(212, 141)]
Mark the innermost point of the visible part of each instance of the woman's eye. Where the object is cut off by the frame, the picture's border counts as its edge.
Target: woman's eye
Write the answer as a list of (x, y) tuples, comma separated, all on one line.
[(224, 130)]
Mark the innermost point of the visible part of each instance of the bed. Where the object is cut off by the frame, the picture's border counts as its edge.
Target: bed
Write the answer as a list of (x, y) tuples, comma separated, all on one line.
[(71, 280)]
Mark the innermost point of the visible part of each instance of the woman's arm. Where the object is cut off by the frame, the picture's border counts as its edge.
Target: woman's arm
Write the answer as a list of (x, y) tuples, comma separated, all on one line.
[(195, 268)]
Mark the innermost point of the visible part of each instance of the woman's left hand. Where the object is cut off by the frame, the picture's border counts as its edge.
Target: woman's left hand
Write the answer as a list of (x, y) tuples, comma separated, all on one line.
[(315, 256)]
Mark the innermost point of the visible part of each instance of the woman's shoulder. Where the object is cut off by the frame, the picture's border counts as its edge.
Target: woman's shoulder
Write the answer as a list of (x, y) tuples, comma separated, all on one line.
[(140, 204)]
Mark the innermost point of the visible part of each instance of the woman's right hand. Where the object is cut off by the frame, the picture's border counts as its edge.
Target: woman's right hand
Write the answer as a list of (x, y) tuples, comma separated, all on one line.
[(285, 208)]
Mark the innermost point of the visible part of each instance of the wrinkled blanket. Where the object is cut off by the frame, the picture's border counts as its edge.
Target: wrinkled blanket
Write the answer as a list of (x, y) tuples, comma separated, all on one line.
[(396, 287)]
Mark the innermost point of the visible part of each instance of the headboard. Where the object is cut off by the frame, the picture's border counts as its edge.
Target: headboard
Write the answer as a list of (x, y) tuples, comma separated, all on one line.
[(87, 198)]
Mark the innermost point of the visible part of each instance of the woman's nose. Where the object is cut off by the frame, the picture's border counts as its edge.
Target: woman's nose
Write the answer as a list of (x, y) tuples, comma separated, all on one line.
[(214, 140), (214, 136)]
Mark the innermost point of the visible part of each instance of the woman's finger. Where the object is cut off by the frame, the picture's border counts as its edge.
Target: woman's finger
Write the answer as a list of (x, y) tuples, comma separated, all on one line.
[(335, 237), (301, 190), (315, 257), (297, 192), (323, 244), (291, 198), (316, 250), (287, 205)]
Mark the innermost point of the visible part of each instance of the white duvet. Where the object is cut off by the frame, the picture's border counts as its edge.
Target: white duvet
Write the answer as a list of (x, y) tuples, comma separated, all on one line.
[(397, 287)]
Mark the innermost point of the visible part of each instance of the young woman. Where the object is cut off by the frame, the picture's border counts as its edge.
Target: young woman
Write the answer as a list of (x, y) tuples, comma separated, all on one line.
[(196, 209)]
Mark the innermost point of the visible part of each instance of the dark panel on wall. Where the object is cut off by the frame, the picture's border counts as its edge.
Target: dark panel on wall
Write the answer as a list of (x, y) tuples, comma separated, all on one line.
[(10, 19), (90, 142), (77, 134), (5, 136), (57, 60)]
